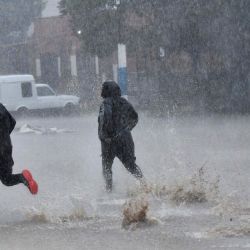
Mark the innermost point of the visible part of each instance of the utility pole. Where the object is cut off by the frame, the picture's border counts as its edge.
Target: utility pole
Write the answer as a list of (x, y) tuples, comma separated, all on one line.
[(122, 69), (122, 61)]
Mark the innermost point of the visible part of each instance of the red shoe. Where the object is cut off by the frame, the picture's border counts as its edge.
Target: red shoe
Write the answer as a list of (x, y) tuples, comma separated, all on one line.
[(31, 183)]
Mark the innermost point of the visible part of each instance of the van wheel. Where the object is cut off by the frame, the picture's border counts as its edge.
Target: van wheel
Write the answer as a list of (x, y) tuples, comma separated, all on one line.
[(69, 109), (23, 111)]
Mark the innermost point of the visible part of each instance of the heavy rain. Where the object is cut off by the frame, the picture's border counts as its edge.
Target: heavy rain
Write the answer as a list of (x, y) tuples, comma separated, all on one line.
[(133, 118)]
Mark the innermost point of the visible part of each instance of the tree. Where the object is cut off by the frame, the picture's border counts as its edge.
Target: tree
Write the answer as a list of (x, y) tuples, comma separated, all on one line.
[(96, 23), (240, 53), (206, 44), (16, 17)]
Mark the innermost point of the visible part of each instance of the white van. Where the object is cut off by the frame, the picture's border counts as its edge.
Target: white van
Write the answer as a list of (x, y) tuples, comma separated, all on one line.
[(21, 93)]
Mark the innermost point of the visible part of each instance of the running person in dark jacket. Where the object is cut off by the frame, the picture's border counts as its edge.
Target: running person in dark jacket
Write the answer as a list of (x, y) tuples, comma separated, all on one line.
[(7, 124), (117, 118)]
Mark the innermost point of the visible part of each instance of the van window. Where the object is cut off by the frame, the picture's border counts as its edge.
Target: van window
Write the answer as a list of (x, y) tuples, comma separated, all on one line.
[(44, 91), (26, 89)]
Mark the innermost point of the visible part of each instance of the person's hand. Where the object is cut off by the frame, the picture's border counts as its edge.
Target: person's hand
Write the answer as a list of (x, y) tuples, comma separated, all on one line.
[(122, 132)]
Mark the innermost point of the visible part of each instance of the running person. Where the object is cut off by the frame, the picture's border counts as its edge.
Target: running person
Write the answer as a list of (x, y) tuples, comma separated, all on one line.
[(7, 124), (117, 118)]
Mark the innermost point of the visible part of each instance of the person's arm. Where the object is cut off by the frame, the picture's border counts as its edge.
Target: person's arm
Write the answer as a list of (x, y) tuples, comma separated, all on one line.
[(105, 120), (132, 118)]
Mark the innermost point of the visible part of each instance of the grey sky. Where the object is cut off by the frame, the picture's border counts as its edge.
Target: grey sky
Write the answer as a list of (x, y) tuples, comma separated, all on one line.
[(51, 8)]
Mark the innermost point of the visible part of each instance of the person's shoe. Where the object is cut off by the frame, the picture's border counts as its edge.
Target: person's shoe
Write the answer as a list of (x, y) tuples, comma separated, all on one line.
[(30, 182)]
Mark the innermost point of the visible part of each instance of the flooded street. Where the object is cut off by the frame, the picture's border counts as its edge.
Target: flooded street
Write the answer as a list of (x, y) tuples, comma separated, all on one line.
[(183, 66), (198, 174)]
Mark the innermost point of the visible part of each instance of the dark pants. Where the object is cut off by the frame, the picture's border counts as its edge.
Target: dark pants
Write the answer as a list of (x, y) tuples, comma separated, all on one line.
[(6, 176), (123, 148)]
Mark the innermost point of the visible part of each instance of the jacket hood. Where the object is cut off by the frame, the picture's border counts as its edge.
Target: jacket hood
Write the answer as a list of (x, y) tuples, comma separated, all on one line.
[(110, 89)]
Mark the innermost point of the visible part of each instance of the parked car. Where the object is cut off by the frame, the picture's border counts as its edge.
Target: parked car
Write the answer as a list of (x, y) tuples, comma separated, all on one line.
[(20, 93)]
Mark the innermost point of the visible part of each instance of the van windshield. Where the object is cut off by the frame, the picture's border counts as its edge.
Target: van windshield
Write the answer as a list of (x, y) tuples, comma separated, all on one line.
[(44, 91)]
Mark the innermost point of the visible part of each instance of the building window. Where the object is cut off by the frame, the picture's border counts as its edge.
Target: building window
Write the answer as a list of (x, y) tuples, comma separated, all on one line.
[(26, 89)]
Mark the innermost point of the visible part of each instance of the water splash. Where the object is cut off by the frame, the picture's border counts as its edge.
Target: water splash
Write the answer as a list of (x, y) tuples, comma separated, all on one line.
[(197, 189), (75, 210)]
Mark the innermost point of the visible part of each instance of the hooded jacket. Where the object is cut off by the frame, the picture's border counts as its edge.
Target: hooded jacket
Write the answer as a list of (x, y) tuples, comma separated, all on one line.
[(7, 124), (116, 113)]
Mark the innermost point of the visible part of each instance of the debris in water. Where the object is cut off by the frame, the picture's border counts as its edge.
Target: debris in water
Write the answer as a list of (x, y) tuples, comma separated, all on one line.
[(236, 231), (28, 129), (135, 214)]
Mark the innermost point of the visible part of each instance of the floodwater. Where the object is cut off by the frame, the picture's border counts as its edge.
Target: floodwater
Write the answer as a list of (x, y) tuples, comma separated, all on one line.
[(198, 172)]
